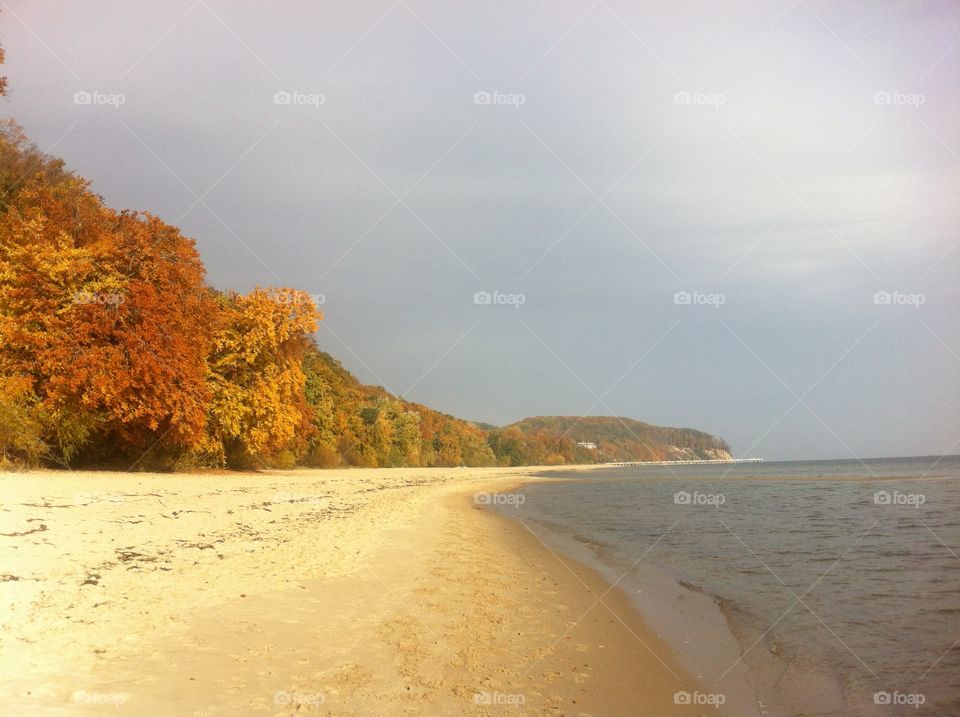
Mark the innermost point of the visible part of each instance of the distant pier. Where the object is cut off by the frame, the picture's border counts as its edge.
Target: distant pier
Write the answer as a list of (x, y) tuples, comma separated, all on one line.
[(700, 462)]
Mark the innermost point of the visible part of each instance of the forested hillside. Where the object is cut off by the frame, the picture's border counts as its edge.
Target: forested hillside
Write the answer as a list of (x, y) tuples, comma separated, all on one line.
[(554, 439), (114, 351)]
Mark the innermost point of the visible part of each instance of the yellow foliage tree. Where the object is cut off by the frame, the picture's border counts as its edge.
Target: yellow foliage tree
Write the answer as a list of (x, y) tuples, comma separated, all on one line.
[(258, 411)]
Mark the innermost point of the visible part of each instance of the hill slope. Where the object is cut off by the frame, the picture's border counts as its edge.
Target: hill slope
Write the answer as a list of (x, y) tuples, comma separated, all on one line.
[(368, 426), (555, 439), (114, 351)]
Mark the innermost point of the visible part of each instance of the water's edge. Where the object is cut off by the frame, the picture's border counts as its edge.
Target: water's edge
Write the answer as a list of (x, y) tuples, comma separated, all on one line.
[(732, 639), (673, 611)]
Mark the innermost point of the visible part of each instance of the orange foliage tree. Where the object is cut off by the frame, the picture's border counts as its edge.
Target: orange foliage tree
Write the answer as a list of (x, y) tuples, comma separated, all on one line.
[(102, 316)]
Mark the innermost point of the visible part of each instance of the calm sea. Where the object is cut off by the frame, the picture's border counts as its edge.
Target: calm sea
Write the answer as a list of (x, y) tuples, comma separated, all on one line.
[(825, 587)]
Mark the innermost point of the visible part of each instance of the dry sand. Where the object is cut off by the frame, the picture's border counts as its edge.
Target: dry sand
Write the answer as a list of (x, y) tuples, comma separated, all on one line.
[(359, 592)]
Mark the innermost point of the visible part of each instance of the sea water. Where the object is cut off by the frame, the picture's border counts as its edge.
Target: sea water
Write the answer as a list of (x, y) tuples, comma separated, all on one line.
[(825, 587)]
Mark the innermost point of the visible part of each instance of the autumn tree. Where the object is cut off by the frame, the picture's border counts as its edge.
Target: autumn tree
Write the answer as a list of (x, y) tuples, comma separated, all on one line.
[(102, 316), (258, 411), (21, 424), (21, 162), (112, 347), (3, 80)]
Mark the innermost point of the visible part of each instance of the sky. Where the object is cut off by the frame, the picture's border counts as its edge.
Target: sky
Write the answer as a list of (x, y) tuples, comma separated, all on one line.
[(740, 217)]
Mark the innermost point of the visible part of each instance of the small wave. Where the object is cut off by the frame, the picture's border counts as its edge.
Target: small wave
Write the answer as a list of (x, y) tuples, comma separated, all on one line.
[(697, 589), (590, 542), (941, 611)]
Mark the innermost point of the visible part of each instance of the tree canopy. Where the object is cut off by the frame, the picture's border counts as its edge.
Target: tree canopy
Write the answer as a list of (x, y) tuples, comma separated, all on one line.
[(115, 351)]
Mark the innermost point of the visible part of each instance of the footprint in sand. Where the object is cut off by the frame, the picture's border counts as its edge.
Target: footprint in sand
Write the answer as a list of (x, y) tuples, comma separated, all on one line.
[(346, 679), (552, 677)]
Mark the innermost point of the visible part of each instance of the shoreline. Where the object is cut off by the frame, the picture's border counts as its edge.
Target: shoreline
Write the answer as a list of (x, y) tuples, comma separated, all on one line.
[(705, 640), (779, 677), (320, 592)]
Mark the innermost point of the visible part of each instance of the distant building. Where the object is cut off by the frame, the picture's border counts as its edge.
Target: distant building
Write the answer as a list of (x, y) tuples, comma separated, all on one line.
[(589, 445)]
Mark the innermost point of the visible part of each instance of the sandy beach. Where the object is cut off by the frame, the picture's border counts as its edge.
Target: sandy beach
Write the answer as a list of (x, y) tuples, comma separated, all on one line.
[(355, 592)]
